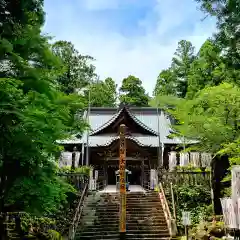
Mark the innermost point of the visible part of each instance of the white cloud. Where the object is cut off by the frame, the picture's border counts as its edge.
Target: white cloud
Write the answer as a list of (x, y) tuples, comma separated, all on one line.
[(100, 4), (144, 56)]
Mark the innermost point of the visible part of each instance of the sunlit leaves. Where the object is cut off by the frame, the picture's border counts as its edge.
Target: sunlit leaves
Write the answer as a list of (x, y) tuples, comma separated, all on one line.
[(133, 93)]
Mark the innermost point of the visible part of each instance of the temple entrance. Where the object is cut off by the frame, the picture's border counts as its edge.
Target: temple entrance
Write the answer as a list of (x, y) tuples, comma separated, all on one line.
[(111, 175), (107, 158), (135, 177)]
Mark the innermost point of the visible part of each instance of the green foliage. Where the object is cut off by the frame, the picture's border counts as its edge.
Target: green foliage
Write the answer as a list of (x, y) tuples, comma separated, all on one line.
[(46, 196), (34, 113), (54, 235), (78, 73), (33, 227), (174, 80), (227, 14), (30, 223), (165, 83), (133, 93), (208, 69), (82, 170), (181, 63), (195, 199), (208, 230), (191, 168), (103, 93), (211, 118)]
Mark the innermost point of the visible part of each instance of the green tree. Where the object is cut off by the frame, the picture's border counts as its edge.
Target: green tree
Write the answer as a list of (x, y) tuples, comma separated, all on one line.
[(133, 93), (166, 83), (181, 63), (78, 72), (208, 69), (103, 93), (33, 113), (211, 118), (227, 13)]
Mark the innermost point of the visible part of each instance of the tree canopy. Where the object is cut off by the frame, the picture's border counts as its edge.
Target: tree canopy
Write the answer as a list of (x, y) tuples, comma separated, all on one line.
[(133, 93), (103, 93), (78, 71), (206, 105), (34, 113)]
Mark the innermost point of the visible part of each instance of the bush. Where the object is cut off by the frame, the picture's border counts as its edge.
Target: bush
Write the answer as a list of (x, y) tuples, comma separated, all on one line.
[(208, 230), (193, 198)]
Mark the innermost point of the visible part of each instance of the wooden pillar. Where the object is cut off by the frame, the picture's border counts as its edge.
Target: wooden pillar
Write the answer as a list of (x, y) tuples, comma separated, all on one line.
[(142, 172), (122, 180), (105, 171)]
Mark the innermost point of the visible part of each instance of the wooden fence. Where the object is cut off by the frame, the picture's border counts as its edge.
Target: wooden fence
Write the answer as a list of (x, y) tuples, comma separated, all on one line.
[(78, 180), (187, 177)]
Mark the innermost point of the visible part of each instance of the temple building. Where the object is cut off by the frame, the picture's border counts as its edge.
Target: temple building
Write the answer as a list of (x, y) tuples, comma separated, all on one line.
[(148, 144)]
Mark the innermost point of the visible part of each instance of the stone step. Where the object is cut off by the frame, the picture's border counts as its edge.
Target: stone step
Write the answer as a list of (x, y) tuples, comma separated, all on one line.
[(127, 238), (147, 238), (129, 215), (128, 226), (132, 222), (129, 210), (145, 217), (115, 235), (129, 218), (116, 208), (117, 199), (128, 196), (128, 204), (135, 232)]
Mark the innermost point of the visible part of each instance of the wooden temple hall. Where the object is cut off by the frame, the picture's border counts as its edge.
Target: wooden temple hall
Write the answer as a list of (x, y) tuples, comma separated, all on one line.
[(148, 145)]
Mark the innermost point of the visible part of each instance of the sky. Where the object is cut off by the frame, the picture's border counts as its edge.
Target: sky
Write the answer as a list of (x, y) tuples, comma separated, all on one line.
[(128, 37)]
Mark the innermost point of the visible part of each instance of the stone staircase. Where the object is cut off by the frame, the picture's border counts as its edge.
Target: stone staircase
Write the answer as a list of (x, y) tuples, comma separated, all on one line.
[(145, 217)]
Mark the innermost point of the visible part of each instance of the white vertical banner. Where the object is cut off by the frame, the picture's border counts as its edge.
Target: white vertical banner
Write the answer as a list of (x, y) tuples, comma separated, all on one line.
[(152, 178), (206, 159), (230, 211), (195, 159), (238, 213), (224, 210), (91, 174), (77, 159), (172, 160), (184, 159), (232, 208), (96, 175), (92, 185), (236, 182)]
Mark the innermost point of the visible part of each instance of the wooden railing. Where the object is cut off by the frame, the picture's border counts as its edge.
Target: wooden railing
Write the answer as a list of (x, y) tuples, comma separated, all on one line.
[(171, 222), (78, 213)]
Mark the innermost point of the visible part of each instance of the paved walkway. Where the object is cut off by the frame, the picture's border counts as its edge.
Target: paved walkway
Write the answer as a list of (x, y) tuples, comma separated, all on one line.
[(132, 188)]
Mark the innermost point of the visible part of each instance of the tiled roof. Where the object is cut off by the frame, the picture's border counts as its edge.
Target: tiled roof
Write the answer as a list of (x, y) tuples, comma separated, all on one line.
[(147, 117), (115, 116)]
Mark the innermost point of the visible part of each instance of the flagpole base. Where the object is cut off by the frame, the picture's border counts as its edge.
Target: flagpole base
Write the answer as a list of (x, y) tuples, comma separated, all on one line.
[(122, 235)]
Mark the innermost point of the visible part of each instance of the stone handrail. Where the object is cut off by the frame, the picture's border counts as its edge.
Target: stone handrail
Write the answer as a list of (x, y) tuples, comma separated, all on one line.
[(78, 213), (170, 221)]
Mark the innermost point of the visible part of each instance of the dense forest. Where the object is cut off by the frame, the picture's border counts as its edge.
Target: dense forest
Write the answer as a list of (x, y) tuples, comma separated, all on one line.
[(43, 86)]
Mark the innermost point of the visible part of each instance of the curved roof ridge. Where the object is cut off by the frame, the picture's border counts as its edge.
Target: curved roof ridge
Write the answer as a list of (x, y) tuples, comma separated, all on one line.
[(106, 124), (115, 116), (108, 143), (141, 123)]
